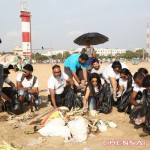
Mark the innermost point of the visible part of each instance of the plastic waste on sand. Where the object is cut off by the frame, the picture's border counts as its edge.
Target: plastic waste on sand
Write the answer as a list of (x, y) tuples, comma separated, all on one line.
[(102, 127), (78, 129), (39, 140), (55, 127), (112, 125)]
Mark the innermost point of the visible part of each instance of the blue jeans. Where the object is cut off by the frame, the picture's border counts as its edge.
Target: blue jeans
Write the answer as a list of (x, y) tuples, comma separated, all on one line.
[(91, 103)]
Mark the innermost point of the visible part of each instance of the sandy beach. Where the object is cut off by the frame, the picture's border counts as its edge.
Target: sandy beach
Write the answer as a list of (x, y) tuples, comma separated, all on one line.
[(124, 132)]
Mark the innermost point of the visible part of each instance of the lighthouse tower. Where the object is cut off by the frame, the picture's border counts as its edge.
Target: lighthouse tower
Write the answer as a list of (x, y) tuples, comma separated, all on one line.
[(148, 38), (26, 32)]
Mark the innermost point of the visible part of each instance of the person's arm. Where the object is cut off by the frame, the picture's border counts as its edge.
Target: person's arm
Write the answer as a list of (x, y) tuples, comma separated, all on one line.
[(86, 97), (11, 84), (121, 88), (133, 98), (70, 81), (94, 54), (76, 77), (34, 90), (19, 86), (52, 94), (113, 84), (85, 74)]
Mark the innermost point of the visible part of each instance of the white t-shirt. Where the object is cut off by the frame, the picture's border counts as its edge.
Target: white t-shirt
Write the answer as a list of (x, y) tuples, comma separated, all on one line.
[(27, 83), (123, 83), (136, 88), (6, 80), (99, 71), (57, 84), (109, 72)]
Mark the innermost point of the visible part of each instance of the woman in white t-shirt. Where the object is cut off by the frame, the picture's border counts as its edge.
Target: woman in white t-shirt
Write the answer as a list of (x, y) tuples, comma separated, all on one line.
[(125, 81), (92, 91), (125, 90)]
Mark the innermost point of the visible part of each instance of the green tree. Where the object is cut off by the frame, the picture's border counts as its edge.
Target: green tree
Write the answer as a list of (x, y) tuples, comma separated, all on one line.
[(66, 54)]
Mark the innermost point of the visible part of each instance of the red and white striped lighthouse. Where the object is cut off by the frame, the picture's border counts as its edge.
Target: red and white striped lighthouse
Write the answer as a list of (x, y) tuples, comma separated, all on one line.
[(26, 33), (148, 38)]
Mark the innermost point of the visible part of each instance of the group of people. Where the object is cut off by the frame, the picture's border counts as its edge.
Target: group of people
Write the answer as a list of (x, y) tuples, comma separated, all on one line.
[(100, 87), (26, 89)]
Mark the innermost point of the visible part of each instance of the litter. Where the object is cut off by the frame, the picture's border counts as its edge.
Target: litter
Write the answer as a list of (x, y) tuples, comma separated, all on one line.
[(112, 125), (39, 140), (102, 127)]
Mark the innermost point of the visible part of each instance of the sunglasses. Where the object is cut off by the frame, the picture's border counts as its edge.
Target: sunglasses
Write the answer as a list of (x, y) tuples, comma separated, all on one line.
[(26, 72), (57, 72)]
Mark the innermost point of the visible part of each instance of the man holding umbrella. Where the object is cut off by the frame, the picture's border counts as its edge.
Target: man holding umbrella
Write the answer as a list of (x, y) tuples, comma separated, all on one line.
[(76, 66)]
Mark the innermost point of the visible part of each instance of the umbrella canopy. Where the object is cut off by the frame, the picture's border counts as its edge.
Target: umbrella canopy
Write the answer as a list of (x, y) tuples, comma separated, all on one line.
[(93, 37)]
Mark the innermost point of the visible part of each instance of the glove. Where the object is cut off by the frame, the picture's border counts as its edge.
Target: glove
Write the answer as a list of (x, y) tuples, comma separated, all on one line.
[(114, 97), (119, 93)]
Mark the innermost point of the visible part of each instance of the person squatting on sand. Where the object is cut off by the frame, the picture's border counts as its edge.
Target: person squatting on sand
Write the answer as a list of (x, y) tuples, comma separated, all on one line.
[(56, 89), (8, 93), (141, 112), (27, 85), (111, 75)]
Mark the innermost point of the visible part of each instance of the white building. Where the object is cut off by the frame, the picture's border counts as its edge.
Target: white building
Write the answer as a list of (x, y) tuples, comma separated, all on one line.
[(100, 51), (106, 51)]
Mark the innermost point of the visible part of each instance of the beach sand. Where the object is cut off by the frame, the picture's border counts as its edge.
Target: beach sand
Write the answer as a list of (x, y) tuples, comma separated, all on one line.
[(124, 132)]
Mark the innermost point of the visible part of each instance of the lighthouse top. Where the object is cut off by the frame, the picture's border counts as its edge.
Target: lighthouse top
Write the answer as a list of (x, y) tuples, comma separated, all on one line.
[(23, 5)]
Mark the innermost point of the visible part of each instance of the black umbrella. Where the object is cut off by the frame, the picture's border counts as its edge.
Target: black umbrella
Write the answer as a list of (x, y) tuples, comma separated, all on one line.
[(0, 41), (93, 37)]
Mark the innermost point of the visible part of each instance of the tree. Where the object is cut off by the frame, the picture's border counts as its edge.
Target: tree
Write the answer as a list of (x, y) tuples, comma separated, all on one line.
[(39, 57), (66, 54)]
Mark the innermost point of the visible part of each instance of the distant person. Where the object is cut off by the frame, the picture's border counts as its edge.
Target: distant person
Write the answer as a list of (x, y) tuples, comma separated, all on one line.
[(137, 88), (56, 89), (27, 85), (112, 74), (89, 50), (76, 66), (8, 93)]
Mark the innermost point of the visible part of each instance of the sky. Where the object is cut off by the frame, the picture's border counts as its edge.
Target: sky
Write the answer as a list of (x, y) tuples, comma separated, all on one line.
[(56, 23)]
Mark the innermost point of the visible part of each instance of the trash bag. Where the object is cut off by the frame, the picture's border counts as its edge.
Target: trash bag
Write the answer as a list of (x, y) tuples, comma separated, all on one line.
[(1, 77), (78, 129), (104, 100), (55, 127), (147, 120), (71, 100), (137, 112), (124, 103)]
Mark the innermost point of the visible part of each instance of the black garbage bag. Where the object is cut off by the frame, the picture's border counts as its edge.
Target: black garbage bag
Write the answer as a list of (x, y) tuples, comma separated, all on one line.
[(147, 120), (124, 100), (137, 112), (140, 110), (104, 99), (71, 100)]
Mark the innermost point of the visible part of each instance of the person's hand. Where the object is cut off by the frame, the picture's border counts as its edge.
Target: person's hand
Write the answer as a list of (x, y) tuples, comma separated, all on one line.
[(114, 97), (119, 93), (84, 109), (55, 107)]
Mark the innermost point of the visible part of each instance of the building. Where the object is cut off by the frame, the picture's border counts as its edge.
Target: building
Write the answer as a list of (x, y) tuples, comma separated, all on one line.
[(106, 51), (100, 51), (18, 50)]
